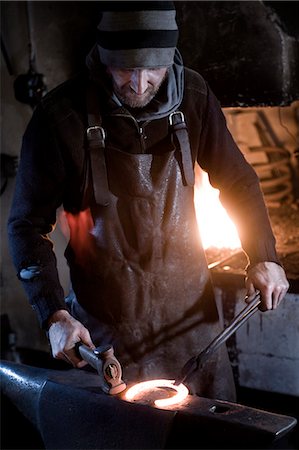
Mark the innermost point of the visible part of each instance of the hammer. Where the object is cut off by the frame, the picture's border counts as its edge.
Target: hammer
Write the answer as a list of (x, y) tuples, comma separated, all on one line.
[(103, 360)]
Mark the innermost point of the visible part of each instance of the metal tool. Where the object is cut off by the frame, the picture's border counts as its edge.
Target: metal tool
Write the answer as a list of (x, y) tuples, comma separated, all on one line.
[(193, 364), (108, 367)]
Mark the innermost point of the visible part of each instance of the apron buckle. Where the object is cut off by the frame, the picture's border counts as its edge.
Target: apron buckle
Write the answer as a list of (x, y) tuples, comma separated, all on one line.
[(96, 135), (176, 115)]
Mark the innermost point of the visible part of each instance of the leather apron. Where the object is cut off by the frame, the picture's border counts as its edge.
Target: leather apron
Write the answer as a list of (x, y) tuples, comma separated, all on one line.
[(141, 279)]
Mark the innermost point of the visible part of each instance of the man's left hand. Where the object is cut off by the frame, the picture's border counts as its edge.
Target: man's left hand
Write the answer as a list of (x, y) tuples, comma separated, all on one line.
[(270, 280)]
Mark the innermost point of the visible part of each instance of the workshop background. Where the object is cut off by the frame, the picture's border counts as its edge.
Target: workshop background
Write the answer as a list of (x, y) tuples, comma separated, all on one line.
[(248, 52)]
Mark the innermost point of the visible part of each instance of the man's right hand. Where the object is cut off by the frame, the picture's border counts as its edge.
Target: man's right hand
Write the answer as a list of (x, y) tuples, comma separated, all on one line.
[(64, 333)]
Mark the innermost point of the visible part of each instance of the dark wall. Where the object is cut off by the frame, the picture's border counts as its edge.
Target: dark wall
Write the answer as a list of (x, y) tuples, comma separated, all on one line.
[(248, 50)]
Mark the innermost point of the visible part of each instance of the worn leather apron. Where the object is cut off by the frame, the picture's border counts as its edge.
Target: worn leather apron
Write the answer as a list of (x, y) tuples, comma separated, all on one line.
[(141, 278)]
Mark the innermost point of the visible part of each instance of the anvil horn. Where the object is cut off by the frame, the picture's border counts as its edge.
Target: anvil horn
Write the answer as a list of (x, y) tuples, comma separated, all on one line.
[(22, 385)]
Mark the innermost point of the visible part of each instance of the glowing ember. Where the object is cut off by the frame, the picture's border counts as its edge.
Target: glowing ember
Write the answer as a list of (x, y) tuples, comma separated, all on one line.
[(147, 387), (215, 227)]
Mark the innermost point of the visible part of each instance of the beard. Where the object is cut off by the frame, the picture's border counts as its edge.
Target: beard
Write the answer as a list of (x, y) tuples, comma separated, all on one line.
[(129, 98)]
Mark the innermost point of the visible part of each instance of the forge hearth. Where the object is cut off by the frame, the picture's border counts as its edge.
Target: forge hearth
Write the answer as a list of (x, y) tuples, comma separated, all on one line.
[(228, 265)]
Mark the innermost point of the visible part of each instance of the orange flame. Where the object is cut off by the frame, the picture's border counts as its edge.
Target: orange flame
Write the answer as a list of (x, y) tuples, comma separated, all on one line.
[(215, 227)]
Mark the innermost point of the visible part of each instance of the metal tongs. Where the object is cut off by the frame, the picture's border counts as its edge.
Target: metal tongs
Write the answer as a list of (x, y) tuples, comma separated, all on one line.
[(193, 364)]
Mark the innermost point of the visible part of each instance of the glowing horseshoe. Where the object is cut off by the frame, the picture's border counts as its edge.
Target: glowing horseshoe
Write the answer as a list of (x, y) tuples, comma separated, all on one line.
[(181, 391)]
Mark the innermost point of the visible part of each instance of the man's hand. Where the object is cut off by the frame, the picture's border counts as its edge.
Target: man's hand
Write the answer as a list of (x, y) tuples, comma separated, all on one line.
[(270, 280), (64, 333)]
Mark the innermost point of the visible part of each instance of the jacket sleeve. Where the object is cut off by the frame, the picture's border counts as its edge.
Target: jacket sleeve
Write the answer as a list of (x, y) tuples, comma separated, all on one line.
[(239, 186), (38, 194)]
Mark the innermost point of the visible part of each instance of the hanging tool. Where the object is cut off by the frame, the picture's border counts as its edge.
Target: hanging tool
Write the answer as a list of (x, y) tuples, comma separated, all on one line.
[(194, 363), (29, 88)]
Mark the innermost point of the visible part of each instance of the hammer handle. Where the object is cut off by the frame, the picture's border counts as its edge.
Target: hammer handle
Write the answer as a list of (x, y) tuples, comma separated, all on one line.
[(93, 357), (88, 355)]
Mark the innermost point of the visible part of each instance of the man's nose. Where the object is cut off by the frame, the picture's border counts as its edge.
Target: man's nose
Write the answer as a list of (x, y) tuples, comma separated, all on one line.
[(139, 81)]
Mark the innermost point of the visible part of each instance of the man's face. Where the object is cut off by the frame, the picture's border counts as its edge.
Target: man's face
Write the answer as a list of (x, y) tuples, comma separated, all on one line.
[(136, 87)]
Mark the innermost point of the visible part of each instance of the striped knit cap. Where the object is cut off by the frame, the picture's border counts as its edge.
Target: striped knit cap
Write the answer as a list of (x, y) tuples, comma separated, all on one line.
[(137, 34)]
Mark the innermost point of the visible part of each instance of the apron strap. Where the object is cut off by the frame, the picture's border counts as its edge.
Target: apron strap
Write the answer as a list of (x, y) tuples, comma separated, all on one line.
[(179, 127), (95, 134)]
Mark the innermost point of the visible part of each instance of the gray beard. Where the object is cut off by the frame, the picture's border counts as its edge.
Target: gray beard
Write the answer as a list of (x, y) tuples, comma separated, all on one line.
[(131, 99)]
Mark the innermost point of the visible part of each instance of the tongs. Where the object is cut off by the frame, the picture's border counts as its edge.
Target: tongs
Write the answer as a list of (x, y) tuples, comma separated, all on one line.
[(193, 364)]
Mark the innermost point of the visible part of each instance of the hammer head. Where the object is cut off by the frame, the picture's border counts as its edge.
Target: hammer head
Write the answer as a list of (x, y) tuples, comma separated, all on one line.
[(108, 367)]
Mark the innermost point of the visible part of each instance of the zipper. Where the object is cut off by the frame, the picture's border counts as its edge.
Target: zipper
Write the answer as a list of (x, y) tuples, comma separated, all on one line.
[(143, 136), (140, 129)]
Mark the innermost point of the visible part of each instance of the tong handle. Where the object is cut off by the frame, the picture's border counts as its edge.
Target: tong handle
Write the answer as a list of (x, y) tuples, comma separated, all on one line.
[(242, 317), (193, 363)]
